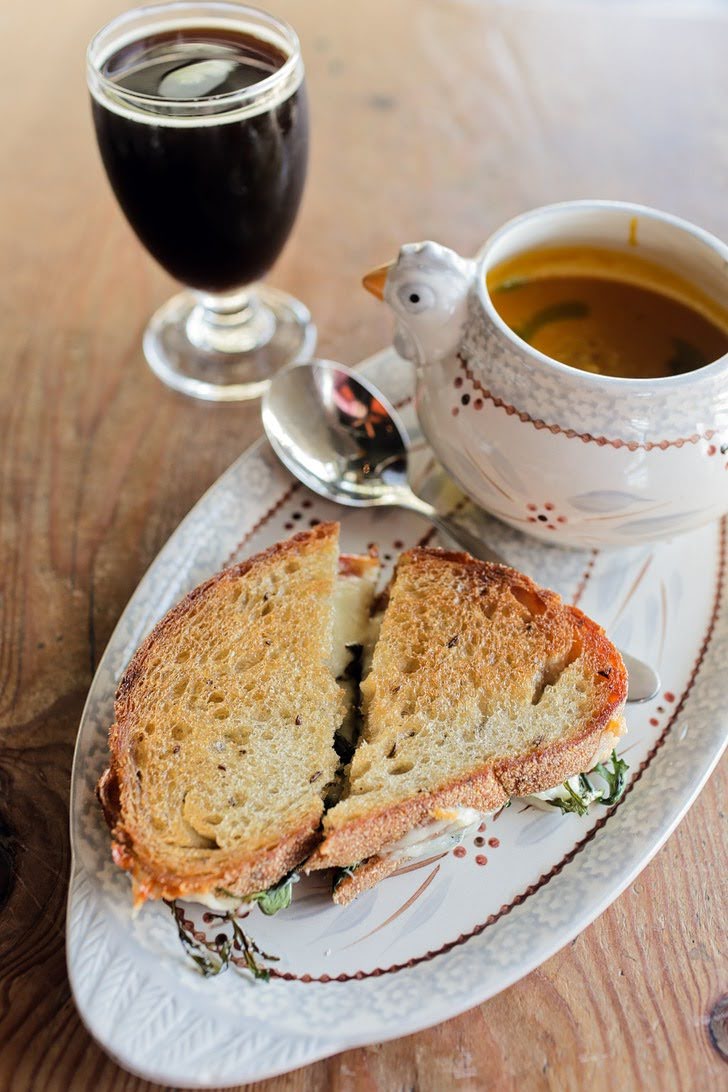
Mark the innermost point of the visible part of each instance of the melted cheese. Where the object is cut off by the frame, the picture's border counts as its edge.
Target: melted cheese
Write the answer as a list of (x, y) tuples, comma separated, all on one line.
[(213, 901), (610, 738), (353, 596), (446, 828)]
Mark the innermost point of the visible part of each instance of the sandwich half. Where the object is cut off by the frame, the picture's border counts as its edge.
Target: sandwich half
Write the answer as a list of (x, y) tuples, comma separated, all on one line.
[(224, 744), (483, 686)]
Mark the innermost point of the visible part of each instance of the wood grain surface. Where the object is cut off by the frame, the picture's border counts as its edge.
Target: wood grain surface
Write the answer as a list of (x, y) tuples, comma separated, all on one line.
[(431, 118)]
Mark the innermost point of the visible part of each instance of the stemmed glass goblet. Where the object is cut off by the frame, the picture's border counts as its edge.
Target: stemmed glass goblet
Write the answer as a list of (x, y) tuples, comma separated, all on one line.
[(201, 119)]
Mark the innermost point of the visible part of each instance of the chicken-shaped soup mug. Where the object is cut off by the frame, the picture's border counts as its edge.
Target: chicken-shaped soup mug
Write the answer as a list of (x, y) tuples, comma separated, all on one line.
[(573, 457)]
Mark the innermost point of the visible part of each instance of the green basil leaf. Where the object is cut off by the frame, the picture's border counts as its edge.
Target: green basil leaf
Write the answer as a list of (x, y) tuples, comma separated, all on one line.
[(614, 777), (277, 897)]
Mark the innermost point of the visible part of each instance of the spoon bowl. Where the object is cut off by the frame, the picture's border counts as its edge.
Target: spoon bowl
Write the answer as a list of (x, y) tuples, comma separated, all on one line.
[(337, 434)]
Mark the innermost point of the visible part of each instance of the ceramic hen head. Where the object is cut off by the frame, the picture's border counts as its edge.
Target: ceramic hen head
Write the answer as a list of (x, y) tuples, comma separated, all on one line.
[(427, 287)]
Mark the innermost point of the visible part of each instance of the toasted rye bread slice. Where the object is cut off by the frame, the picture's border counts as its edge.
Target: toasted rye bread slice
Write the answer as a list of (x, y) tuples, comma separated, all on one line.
[(225, 719), (483, 686)]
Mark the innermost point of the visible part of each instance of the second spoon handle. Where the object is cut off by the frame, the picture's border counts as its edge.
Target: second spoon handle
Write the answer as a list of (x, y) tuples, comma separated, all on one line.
[(644, 682)]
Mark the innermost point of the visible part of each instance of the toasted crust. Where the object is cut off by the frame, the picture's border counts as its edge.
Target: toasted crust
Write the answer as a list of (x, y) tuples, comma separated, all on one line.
[(160, 871), (367, 875), (354, 832)]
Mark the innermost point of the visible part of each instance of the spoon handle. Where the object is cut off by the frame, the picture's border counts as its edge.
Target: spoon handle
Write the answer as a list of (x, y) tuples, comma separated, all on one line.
[(644, 682)]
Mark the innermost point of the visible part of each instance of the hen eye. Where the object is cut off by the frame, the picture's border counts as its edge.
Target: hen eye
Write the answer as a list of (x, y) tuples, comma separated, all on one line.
[(416, 297)]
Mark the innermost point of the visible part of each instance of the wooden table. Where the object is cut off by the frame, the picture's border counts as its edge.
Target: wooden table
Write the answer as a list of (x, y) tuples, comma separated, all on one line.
[(431, 119)]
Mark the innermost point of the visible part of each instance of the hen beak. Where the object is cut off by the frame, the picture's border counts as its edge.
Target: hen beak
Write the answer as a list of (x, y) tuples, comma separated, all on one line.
[(375, 281)]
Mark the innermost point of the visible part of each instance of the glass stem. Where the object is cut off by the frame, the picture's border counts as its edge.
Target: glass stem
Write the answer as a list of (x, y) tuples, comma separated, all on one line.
[(230, 322)]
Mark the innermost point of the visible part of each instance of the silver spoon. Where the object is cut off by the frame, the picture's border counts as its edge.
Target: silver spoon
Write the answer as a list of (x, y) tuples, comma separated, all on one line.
[(340, 436)]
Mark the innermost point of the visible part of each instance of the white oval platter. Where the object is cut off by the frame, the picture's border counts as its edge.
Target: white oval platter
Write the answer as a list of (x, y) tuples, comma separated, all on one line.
[(445, 935)]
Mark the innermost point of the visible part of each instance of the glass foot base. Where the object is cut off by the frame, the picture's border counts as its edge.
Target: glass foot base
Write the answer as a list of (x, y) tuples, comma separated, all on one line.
[(226, 373)]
